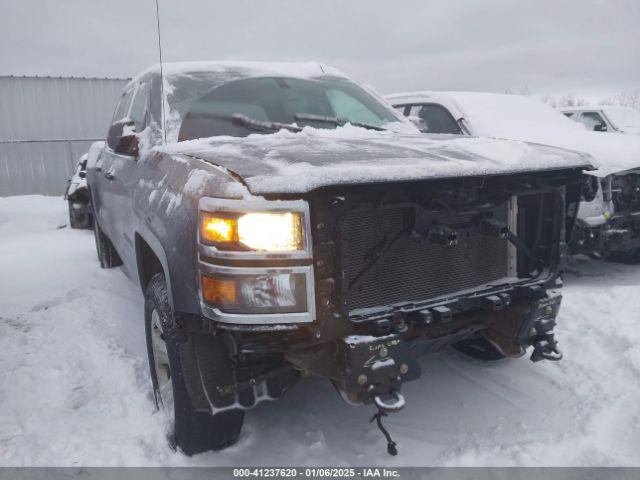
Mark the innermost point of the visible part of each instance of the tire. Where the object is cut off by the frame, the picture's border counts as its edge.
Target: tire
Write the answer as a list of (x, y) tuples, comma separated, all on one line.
[(479, 348), (175, 378), (107, 255)]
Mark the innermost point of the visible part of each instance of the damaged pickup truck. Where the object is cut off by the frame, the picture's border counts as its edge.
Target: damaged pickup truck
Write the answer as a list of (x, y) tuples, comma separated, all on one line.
[(287, 222)]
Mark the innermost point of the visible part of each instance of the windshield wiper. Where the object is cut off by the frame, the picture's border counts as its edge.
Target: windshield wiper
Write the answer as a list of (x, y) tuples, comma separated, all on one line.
[(250, 123), (337, 121), (259, 125)]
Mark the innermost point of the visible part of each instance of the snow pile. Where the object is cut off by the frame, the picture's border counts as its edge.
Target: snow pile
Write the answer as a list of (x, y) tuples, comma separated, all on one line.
[(75, 387), (299, 162), (522, 118)]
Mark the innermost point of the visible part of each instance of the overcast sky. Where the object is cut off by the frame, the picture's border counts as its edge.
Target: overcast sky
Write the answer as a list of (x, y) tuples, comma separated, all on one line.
[(561, 46)]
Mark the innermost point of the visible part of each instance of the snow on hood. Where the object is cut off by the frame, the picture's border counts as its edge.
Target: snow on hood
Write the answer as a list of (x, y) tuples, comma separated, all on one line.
[(522, 118), (287, 162)]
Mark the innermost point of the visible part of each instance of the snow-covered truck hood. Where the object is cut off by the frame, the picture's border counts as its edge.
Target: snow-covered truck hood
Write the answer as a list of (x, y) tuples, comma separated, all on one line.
[(287, 162)]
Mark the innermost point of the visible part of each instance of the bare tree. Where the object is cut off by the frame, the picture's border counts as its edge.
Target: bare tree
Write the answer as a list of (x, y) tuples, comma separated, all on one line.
[(550, 100), (568, 100), (571, 100), (627, 98)]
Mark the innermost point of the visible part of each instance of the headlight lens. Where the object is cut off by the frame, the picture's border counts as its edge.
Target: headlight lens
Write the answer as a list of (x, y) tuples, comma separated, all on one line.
[(263, 293), (262, 231)]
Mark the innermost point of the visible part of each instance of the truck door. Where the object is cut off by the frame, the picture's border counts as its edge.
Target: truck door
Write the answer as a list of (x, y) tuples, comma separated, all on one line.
[(102, 186), (123, 178)]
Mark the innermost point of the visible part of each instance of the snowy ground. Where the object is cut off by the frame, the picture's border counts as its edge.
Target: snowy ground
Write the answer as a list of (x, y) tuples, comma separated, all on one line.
[(74, 385)]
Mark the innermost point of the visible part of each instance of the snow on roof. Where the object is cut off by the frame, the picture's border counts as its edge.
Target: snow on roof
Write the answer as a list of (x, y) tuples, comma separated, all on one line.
[(288, 69), (518, 117), (419, 93)]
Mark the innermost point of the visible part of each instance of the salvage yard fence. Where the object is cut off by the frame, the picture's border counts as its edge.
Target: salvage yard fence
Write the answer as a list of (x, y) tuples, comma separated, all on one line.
[(46, 124)]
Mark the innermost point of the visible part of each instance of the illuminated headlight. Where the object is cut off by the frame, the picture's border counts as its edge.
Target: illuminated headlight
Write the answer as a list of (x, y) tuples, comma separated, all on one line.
[(262, 293), (260, 231)]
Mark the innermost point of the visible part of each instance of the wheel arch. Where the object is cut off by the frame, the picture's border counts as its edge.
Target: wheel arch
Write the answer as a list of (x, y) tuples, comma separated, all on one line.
[(150, 260)]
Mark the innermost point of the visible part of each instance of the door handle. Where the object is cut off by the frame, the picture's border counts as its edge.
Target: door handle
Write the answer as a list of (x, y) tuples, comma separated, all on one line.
[(109, 176)]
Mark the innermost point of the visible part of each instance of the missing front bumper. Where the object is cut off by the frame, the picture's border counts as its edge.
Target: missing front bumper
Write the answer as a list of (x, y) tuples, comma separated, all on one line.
[(371, 369)]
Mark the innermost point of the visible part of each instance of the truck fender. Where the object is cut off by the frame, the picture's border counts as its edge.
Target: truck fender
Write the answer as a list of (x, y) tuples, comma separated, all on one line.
[(144, 238)]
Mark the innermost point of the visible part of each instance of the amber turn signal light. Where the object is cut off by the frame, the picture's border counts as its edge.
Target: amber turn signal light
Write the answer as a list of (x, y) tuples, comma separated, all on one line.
[(221, 292)]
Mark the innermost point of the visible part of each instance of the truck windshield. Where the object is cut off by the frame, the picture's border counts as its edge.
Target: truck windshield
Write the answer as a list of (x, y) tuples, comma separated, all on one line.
[(322, 103)]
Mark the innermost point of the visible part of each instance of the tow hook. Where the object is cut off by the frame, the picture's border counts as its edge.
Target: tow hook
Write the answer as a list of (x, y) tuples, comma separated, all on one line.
[(538, 330), (391, 402), (375, 368), (545, 346)]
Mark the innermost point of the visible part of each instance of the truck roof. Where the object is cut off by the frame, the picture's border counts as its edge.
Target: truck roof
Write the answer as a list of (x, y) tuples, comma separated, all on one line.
[(242, 68)]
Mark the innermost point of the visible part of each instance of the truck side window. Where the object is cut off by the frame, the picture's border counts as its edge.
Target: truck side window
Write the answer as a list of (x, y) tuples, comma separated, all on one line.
[(591, 120), (139, 105), (122, 110), (436, 118)]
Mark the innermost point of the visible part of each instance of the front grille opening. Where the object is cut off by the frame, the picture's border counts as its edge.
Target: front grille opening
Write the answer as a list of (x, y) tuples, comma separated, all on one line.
[(383, 264), (366, 257)]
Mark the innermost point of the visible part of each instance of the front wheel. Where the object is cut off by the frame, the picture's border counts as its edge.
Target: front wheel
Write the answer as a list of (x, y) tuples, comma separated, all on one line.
[(176, 378)]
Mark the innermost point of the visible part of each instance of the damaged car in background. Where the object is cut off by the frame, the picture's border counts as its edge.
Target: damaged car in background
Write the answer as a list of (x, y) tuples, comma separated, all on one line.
[(606, 118), (286, 222), (608, 223), (77, 195)]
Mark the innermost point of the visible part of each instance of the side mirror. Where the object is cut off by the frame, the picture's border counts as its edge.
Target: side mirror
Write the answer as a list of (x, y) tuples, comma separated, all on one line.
[(122, 138), (600, 127)]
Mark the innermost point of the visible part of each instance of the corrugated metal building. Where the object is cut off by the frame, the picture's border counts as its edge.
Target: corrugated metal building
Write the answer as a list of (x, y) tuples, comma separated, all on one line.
[(46, 124)]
